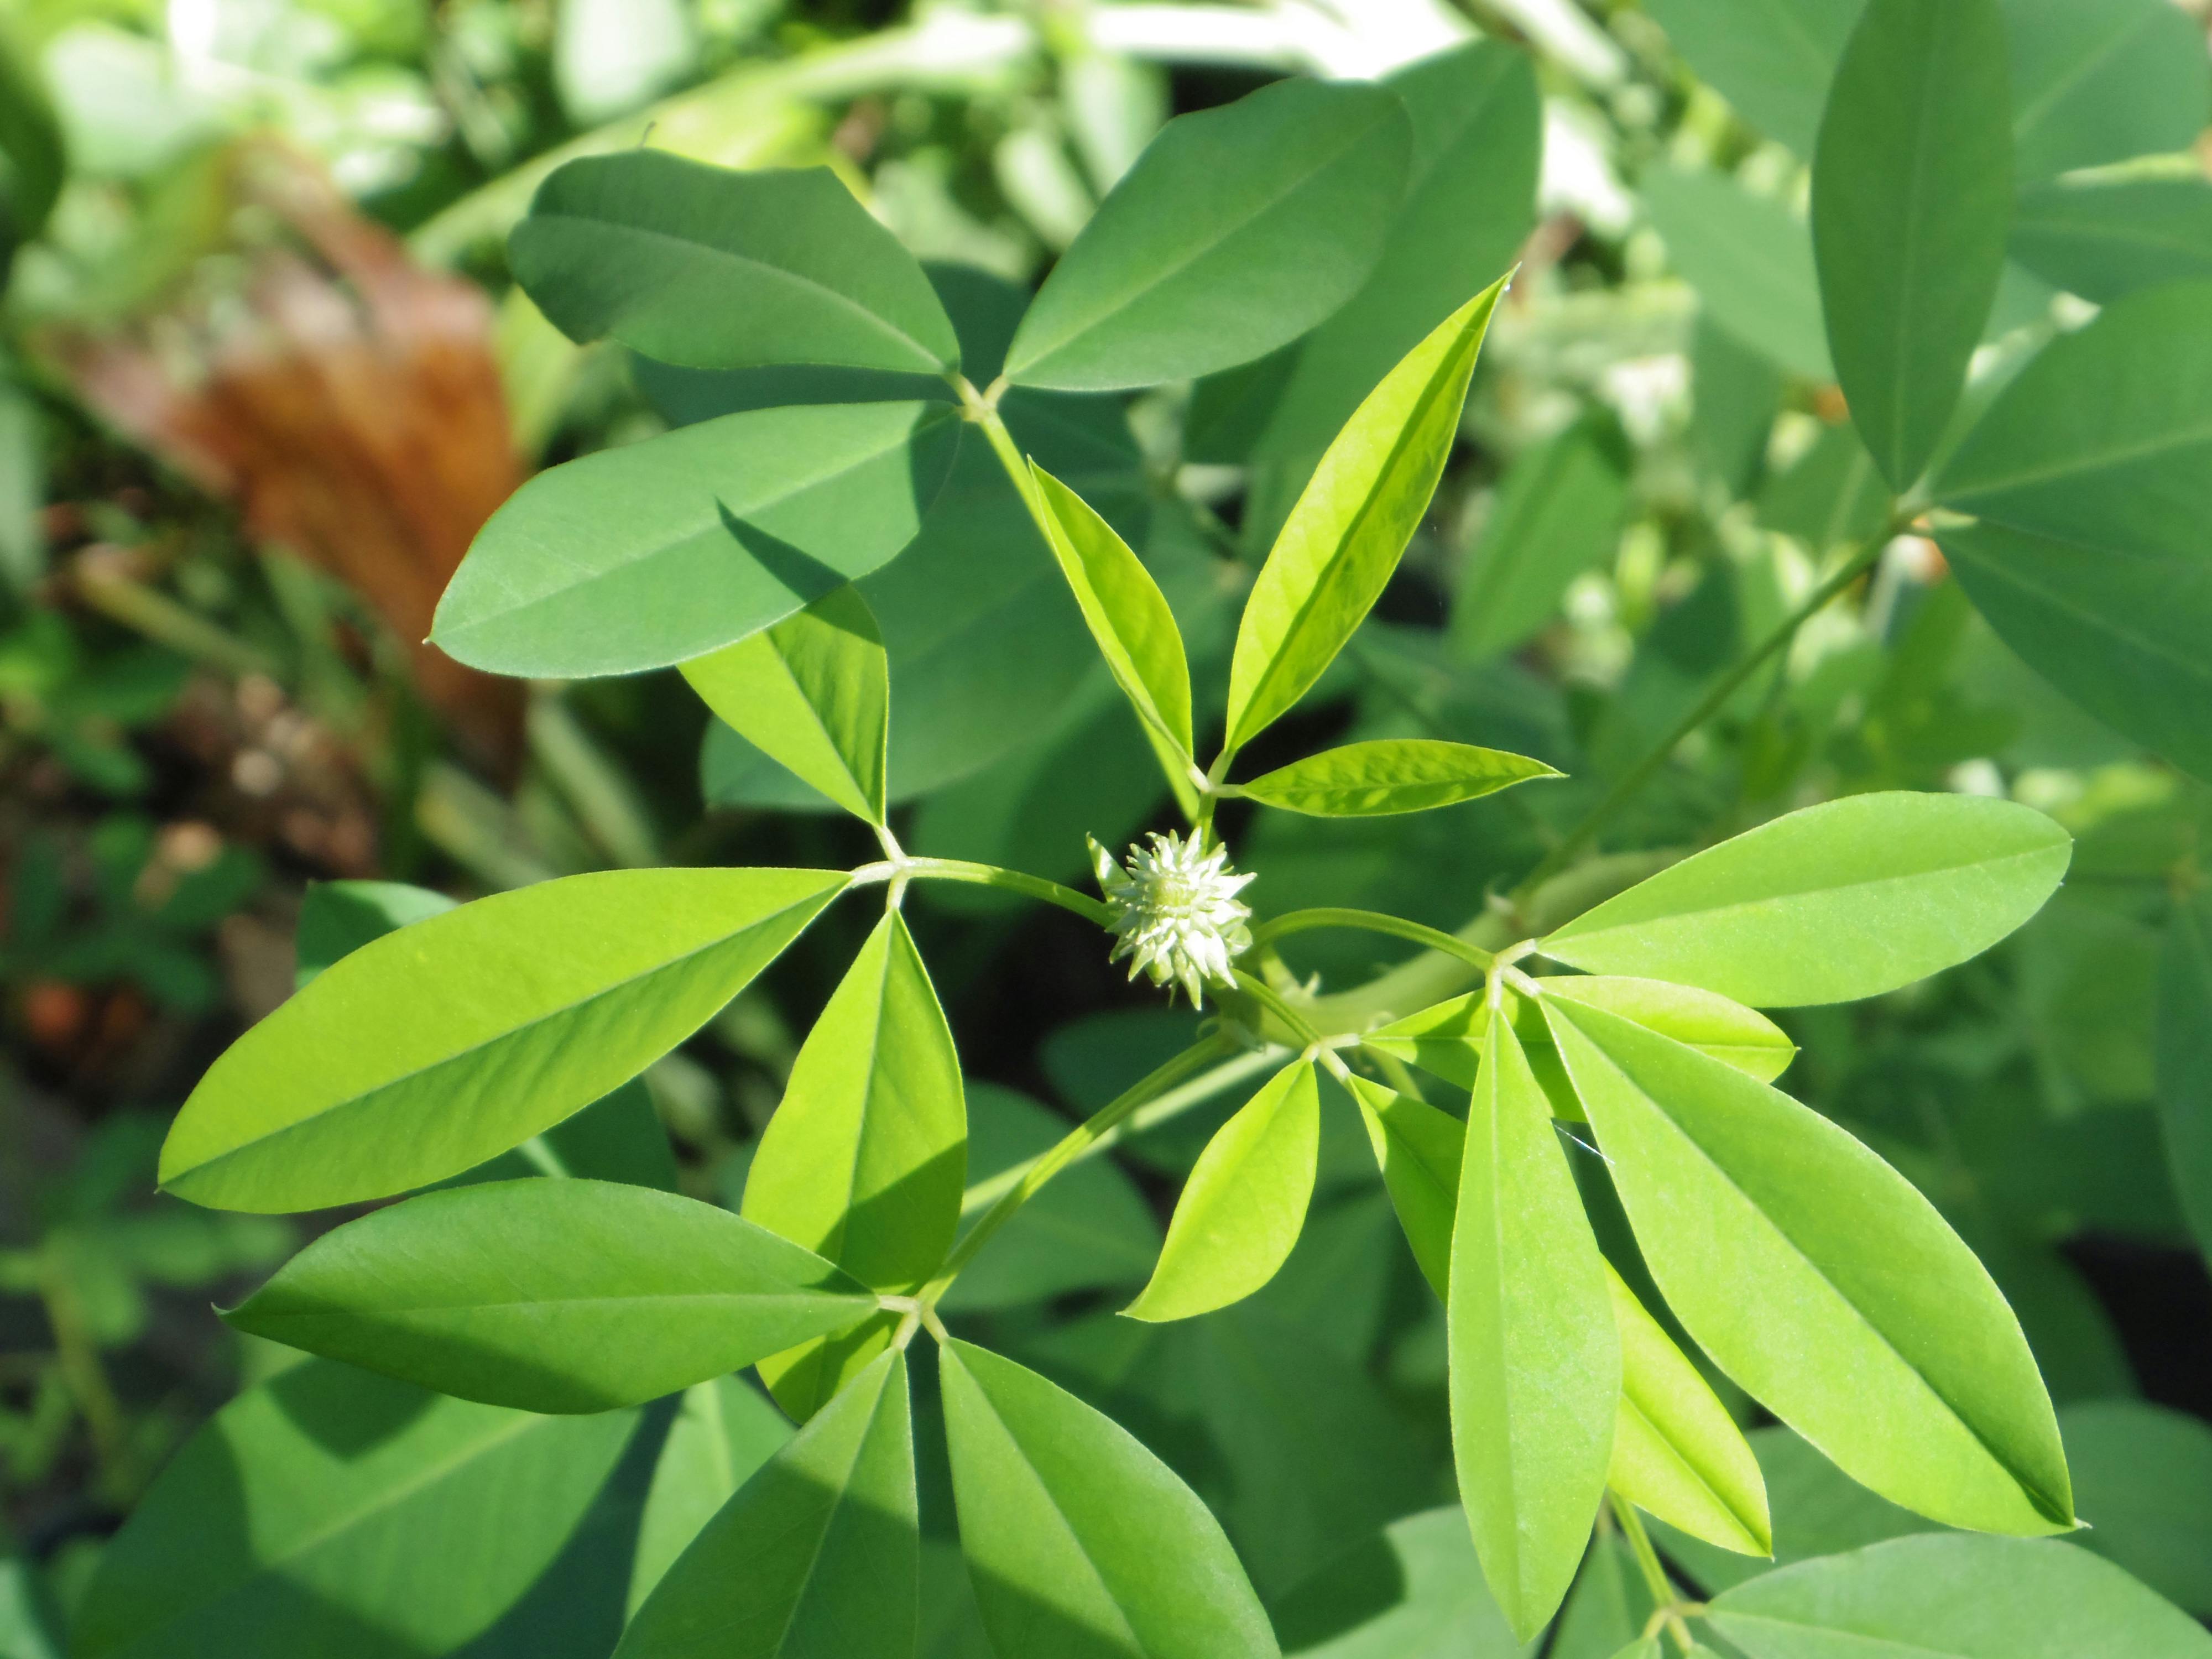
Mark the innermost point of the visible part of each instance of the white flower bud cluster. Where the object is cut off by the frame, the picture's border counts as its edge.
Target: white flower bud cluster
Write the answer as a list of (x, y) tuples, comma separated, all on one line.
[(1176, 913)]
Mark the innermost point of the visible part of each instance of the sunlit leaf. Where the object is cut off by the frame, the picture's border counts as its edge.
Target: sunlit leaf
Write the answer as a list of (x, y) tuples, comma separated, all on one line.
[(1419, 1149), (552, 1296), (1242, 1208), (433, 1048), (1394, 774)]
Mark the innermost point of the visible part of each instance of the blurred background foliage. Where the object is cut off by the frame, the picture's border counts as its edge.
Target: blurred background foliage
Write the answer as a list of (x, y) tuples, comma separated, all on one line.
[(261, 376)]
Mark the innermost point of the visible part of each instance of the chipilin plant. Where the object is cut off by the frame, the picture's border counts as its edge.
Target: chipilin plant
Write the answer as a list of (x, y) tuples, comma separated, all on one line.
[(1591, 1032)]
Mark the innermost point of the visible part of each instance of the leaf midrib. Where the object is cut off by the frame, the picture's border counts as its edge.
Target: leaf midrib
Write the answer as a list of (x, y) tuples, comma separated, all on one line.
[(1727, 1505), (1881, 1643), (2109, 623), (2173, 438), (632, 1298)]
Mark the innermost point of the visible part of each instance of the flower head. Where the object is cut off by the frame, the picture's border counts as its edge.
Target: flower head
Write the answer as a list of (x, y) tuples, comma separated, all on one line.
[(1176, 912)]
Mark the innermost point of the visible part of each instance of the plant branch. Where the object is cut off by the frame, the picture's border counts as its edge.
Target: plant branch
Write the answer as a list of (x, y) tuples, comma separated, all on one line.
[(1632, 781), (1640, 1543), (1372, 921), (1077, 1141), (983, 875)]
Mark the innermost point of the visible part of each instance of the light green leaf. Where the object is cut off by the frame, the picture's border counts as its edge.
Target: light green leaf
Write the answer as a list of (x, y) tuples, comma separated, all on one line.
[(2101, 80), (818, 1553), (713, 267), (338, 918), (552, 1296), (865, 1159), (1821, 1280), (1413, 1591), (1237, 229), (1535, 1359), (2185, 1060), (333, 1511), (654, 553), (1419, 1149), (1345, 535), (2105, 241), (1244, 1204), (1445, 1039), (1942, 1597), (2142, 1479), (1751, 261), (813, 692), (2122, 634), (1644, 1647), (1676, 1451), (1912, 203), (1081, 1543), (2105, 438), (1128, 613), (434, 1048), (1841, 900), (1557, 513), (1772, 59), (1391, 774), (724, 1431)]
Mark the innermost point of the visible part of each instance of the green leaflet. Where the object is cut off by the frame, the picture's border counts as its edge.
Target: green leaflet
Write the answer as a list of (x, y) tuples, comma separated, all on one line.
[(2185, 1060), (429, 1050), (1128, 615), (1557, 513), (2101, 80), (654, 553), (1419, 1150), (1236, 230), (1608, 1605), (1446, 1039), (713, 267), (812, 692), (2142, 1478), (1240, 1210), (724, 1431), (1772, 59), (1082, 1544), (1676, 1451), (817, 1554), (865, 1159), (333, 1511), (1392, 774), (1912, 203), (1821, 1280), (1941, 1597), (1413, 1591), (552, 1296), (1350, 526), (338, 918), (2105, 241), (1751, 261), (1838, 901), (1535, 1361), (2105, 438), (2122, 634)]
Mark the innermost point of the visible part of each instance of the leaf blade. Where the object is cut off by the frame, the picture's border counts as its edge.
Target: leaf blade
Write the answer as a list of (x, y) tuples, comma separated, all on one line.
[(1390, 775)]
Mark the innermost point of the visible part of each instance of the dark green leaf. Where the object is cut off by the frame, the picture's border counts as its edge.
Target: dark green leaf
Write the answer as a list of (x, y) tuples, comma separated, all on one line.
[(2142, 1479), (527, 1006), (552, 1296), (1535, 1358), (338, 918), (1413, 1591), (2101, 80), (331, 1511), (1912, 203), (818, 1553), (1557, 514), (813, 692), (1821, 1280), (1237, 229), (1751, 261), (2105, 241), (724, 1431), (2105, 438), (2122, 634), (1773, 60), (1841, 900), (2185, 1060), (657, 552), (1082, 1544), (713, 267), (1956, 1598)]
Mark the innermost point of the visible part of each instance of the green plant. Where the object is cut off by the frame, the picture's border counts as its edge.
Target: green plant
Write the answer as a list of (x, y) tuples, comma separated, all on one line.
[(1802, 1265)]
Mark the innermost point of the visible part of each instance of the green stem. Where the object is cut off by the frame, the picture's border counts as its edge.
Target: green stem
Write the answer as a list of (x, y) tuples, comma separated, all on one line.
[(1172, 1104), (1372, 921), (1639, 1543), (1074, 1145), (984, 875), (1632, 783)]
